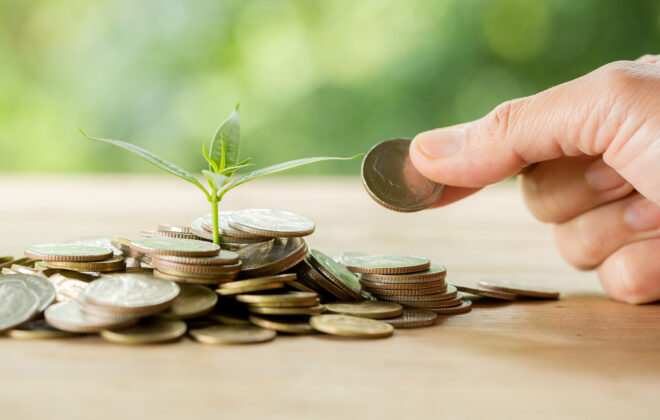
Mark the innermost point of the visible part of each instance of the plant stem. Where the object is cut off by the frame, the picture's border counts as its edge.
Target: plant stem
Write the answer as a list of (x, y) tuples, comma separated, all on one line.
[(214, 215)]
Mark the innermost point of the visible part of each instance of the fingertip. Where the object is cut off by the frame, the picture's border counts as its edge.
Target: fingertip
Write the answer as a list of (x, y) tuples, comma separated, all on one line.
[(632, 274)]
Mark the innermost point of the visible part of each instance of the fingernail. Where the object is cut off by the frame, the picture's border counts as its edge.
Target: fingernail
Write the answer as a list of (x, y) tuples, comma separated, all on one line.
[(602, 177), (643, 215), (442, 142)]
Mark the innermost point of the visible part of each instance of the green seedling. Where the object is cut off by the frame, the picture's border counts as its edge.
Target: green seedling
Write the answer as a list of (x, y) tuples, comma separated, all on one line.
[(224, 162)]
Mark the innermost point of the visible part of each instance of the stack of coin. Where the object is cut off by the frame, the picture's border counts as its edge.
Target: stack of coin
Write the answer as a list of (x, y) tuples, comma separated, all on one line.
[(188, 260), (169, 231), (328, 278), (409, 280)]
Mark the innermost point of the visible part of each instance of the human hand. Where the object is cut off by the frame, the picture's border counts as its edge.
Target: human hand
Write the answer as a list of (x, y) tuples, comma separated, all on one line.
[(588, 152)]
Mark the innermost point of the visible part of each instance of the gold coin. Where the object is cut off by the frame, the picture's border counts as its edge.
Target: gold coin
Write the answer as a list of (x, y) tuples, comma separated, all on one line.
[(288, 304), (193, 300), (413, 318), (293, 298), (192, 279), (299, 286), (259, 281), (480, 291), (38, 330), (6, 259), (232, 334), (285, 324), (248, 289), (520, 289), (112, 264), (228, 318), (21, 261), (351, 326), (366, 309), (147, 331), (187, 274), (286, 310)]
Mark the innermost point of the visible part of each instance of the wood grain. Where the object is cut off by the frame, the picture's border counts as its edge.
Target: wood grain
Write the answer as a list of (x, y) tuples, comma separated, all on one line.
[(583, 356)]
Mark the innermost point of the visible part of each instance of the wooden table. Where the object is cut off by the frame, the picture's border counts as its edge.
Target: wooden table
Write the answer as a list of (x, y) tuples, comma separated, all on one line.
[(583, 356)]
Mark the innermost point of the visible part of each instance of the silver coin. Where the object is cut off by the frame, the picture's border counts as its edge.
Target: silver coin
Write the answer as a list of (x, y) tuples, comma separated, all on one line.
[(18, 303), (336, 273), (131, 291), (68, 316), (393, 182), (223, 226), (386, 264), (271, 223), (42, 287)]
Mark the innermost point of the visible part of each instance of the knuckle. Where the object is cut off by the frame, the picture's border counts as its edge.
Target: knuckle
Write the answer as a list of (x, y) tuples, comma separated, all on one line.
[(578, 245), (621, 75), (498, 121)]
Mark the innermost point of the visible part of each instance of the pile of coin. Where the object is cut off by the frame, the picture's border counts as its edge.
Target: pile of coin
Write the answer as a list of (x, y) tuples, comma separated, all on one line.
[(260, 281), (409, 280)]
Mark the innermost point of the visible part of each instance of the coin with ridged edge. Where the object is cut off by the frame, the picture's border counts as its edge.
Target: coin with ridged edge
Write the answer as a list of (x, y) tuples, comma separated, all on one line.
[(271, 223), (173, 228), (464, 307), (147, 331), (377, 284), (317, 281), (175, 246), (386, 264), (68, 252), (196, 269), (285, 324), (223, 258), (109, 265), (198, 230), (433, 273), (193, 279), (444, 303), (520, 289), (480, 291), (415, 296), (413, 318), (232, 334), (39, 285), (351, 326), (366, 309), (125, 292), (336, 273), (278, 278), (193, 300), (18, 303), (391, 179), (435, 290)]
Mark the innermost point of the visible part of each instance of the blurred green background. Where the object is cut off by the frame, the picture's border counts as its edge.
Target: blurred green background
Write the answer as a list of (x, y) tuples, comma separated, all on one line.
[(314, 77)]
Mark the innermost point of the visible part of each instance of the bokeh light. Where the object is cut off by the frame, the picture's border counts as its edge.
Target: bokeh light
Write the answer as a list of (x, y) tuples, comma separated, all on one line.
[(313, 77)]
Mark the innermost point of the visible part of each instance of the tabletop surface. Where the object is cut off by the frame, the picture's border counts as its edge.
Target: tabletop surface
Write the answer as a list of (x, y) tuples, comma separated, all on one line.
[(583, 356)]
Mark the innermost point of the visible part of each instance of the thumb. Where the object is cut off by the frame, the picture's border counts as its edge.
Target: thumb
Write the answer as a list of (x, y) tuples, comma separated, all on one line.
[(608, 112)]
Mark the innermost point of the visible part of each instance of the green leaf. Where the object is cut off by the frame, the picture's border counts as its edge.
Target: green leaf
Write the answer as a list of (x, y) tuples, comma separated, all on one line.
[(212, 164), (232, 169), (244, 162), (216, 181), (151, 158), (280, 167), (227, 139)]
